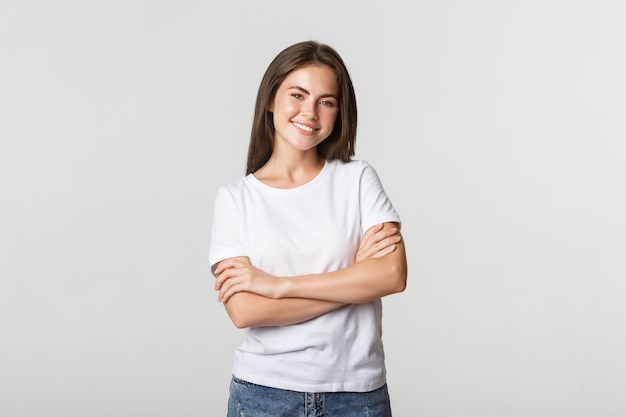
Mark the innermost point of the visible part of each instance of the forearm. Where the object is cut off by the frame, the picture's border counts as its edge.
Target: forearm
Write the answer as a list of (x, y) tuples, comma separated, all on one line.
[(382, 272), (251, 310), (359, 283)]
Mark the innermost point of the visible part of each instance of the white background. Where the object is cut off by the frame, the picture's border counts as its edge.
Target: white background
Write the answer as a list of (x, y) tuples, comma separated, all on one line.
[(497, 127)]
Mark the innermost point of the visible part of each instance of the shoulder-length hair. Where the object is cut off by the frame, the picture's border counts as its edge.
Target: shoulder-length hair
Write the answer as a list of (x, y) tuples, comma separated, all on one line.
[(340, 143)]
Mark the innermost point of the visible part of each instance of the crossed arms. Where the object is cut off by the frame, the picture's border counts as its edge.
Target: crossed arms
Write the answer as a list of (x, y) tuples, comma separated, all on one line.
[(255, 298)]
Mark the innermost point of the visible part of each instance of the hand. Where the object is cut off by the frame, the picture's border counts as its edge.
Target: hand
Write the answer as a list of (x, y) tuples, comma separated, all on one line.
[(377, 242), (238, 274)]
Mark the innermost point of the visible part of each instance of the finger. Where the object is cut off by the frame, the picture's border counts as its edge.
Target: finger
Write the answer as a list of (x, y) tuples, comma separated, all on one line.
[(385, 251), (374, 240), (226, 275), (235, 280), (372, 231), (228, 263), (221, 277), (382, 247), (231, 263), (391, 240), (379, 240), (229, 291), (364, 252), (385, 233), (226, 287), (371, 237)]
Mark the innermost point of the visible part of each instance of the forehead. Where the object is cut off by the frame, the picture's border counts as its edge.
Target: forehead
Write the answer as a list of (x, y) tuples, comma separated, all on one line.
[(320, 78)]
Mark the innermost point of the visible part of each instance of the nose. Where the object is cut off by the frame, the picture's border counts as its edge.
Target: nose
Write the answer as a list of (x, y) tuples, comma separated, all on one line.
[(309, 111)]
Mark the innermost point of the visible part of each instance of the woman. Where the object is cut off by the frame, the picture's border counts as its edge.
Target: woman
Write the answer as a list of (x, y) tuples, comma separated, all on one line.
[(303, 248)]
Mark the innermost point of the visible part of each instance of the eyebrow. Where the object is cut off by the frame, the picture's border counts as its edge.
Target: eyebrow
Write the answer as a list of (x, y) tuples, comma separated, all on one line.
[(305, 91)]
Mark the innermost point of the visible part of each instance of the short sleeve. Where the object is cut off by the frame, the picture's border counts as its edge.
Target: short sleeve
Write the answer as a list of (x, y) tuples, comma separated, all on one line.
[(227, 239), (376, 207)]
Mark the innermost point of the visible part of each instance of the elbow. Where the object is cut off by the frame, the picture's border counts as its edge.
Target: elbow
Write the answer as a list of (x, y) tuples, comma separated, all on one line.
[(240, 322), (398, 279), (238, 313), (400, 286), (391, 279), (398, 270)]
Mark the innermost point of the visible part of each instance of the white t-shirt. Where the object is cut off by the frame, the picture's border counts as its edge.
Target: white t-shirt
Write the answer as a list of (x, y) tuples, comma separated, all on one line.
[(313, 228)]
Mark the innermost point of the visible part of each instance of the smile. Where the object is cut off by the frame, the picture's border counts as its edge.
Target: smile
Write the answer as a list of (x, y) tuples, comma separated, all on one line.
[(303, 127)]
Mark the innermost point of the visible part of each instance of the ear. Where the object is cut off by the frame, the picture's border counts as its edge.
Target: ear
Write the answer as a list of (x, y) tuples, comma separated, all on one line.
[(270, 107)]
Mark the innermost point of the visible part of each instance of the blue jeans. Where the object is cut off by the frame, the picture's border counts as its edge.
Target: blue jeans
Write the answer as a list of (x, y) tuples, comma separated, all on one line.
[(251, 400)]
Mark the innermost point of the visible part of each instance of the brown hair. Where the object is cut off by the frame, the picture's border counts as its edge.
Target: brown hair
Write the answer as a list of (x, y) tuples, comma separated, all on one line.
[(340, 143)]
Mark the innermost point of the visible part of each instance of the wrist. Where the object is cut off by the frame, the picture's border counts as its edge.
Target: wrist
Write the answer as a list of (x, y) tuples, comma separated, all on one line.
[(285, 288)]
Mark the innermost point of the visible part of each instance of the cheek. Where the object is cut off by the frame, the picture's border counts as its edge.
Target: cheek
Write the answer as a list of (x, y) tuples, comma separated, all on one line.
[(330, 118), (286, 106)]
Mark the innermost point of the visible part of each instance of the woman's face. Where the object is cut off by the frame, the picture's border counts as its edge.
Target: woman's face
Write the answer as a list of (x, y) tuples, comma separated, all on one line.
[(305, 107)]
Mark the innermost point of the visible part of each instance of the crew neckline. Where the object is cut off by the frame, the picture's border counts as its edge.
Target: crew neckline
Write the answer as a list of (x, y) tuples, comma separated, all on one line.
[(260, 184)]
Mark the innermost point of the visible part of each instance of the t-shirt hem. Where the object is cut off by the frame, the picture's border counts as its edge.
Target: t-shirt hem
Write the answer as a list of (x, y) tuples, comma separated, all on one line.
[(368, 386)]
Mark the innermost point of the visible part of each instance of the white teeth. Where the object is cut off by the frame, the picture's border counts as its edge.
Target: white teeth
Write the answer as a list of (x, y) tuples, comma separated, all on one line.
[(303, 127)]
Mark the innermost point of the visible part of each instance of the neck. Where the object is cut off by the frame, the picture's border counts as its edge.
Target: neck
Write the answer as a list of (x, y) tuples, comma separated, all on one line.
[(292, 170)]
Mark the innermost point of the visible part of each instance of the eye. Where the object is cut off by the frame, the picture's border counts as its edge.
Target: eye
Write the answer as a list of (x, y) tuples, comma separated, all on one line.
[(327, 103), (297, 95)]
